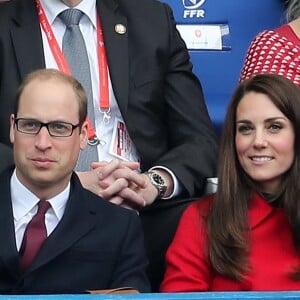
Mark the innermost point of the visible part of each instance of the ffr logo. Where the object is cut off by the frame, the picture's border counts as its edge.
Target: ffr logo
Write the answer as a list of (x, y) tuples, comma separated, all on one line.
[(192, 9)]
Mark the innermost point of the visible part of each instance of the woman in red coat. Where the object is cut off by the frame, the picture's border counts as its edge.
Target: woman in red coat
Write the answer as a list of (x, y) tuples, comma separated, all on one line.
[(246, 237)]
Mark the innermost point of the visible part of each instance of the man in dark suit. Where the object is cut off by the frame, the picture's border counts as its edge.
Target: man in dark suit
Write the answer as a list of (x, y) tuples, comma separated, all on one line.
[(90, 243), (154, 95)]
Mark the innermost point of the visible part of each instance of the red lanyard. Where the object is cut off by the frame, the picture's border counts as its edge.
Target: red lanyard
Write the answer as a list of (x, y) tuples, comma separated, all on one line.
[(63, 65)]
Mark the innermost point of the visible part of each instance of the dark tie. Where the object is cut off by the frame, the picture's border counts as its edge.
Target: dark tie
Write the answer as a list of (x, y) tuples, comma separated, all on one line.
[(74, 49), (34, 236)]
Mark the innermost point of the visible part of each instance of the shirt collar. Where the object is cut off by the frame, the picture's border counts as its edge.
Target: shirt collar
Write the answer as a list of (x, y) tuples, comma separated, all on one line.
[(19, 193), (53, 8), (23, 200)]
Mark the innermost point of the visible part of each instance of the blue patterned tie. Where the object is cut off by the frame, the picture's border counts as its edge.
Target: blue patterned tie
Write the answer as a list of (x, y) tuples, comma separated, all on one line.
[(74, 49)]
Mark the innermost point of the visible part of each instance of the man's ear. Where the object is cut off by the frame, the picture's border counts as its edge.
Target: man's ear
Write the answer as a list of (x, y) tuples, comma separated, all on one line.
[(83, 135), (12, 128)]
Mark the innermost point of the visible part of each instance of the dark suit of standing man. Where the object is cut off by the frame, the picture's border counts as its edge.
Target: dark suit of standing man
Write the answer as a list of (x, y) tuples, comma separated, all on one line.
[(159, 97)]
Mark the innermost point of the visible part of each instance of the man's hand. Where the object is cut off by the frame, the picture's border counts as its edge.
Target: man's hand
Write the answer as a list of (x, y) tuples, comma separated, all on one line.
[(120, 183), (111, 180)]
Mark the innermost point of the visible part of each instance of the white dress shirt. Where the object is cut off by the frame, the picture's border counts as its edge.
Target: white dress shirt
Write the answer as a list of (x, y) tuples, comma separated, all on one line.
[(25, 205)]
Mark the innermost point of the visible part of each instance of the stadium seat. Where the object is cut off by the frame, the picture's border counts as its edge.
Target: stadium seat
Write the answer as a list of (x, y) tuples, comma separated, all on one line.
[(239, 22)]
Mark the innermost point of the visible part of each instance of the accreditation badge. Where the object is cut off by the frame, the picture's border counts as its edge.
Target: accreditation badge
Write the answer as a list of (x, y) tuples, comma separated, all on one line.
[(121, 145)]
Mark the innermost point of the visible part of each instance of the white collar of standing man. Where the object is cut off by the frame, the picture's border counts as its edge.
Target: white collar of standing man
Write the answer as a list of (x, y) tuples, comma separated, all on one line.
[(53, 8)]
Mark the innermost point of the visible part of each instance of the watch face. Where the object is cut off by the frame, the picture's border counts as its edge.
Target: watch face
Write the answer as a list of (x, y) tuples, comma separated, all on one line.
[(158, 182), (158, 179)]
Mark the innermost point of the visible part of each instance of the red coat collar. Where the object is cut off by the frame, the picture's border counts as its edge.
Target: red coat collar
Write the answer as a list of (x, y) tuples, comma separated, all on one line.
[(259, 210)]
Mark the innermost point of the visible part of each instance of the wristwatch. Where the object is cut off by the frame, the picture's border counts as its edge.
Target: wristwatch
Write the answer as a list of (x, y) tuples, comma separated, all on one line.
[(158, 182)]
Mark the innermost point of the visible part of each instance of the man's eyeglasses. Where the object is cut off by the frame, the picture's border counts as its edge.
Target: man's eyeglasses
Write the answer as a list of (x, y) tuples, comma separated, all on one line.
[(55, 128)]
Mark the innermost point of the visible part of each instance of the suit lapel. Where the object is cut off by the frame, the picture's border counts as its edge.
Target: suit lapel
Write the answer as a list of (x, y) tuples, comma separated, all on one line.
[(116, 46), (79, 218), (26, 38), (8, 254)]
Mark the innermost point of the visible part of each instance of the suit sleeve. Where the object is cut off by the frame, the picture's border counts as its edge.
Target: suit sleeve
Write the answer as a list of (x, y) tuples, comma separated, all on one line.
[(192, 142), (130, 269), (187, 266)]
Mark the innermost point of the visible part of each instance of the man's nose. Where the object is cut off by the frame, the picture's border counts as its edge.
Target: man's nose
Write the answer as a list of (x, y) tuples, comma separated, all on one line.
[(43, 138)]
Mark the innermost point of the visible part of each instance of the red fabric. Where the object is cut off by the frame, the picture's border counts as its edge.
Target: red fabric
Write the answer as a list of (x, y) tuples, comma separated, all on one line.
[(34, 236), (272, 253), (276, 52)]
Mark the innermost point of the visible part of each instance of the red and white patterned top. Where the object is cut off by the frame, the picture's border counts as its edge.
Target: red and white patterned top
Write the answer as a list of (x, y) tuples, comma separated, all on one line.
[(276, 52)]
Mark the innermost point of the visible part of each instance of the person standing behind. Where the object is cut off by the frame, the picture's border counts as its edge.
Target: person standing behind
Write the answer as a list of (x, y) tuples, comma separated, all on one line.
[(67, 248), (277, 51), (246, 236)]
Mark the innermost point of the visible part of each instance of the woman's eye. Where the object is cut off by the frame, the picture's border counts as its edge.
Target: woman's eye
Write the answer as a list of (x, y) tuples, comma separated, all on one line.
[(244, 128), (275, 127)]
